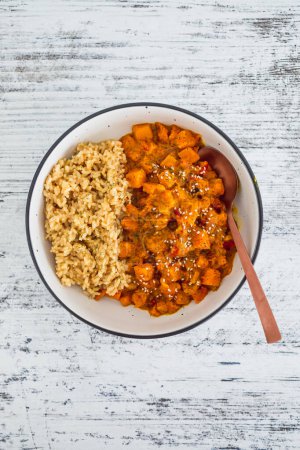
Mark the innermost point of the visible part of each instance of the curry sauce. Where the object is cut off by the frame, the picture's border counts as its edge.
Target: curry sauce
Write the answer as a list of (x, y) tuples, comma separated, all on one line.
[(176, 240)]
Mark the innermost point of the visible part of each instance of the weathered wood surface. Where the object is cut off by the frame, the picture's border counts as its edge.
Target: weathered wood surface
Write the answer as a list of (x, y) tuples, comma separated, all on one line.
[(67, 386)]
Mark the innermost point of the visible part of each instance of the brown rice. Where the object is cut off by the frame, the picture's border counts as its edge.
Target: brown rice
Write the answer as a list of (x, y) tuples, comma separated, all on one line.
[(84, 198)]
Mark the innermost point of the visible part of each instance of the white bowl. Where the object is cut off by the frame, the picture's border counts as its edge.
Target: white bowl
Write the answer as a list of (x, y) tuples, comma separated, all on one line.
[(107, 314)]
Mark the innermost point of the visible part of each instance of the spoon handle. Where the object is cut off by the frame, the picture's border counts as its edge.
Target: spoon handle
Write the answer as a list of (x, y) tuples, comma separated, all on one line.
[(266, 316)]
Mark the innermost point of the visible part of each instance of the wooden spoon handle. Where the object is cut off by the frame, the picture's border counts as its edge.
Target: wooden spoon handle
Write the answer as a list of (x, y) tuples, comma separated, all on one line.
[(267, 319)]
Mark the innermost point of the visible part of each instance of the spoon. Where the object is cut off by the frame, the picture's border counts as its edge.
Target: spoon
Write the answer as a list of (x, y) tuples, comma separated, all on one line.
[(230, 180)]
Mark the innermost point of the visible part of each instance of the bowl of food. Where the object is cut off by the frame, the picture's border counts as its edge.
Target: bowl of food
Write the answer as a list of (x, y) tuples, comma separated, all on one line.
[(126, 225)]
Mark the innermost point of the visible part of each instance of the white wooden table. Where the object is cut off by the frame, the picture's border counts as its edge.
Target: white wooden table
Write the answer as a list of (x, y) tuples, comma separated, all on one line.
[(67, 386)]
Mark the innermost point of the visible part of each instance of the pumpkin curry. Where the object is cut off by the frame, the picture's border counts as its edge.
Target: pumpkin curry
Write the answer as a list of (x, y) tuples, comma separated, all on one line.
[(176, 240)]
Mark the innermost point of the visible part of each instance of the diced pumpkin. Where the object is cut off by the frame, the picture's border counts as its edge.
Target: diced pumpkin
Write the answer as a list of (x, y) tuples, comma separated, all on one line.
[(169, 161), (162, 133), (139, 298), (126, 249), (151, 188), (200, 240), (129, 224), (200, 294), (202, 262), (166, 178), (211, 277), (125, 300), (136, 177), (142, 132), (189, 155), (216, 187), (144, 272), (186, 139)]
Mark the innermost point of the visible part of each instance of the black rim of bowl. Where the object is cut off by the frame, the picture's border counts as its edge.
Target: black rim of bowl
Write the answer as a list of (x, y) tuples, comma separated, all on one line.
[(146, 105)]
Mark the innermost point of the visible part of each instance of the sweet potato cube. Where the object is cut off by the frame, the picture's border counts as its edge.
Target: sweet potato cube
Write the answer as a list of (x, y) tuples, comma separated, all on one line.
[(136, 177), (132, 210), (144, 272), (200, 294), (168, 199), (200, 240), (155, 244), (169, 289), (195, 277), (131, 148), (189, 288), (167, 178), (160, 222), (125, 300), (211, 277), (117, 295), (200, 183), (128, 142), (216, 187), (169, 162), (149, 147), (162, 307), (129, 224), (182, 298), (221, 261), (139, 298), (188, 155), (172, 273), (186, 139), (162, 133), (146, 163), (100, 295), (203, 203), (153, 311), (126, 249), (172, 308), (165, 202), (222, 219), (151, 188), (202, 262), (142, 132), (175, 130)]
